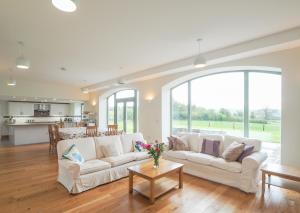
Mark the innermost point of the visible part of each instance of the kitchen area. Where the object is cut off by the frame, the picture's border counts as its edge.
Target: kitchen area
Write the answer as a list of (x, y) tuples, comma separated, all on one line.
[(27, 122)]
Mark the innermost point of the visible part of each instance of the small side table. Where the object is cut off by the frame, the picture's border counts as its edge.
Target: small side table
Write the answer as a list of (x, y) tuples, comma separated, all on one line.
[(280, 176)]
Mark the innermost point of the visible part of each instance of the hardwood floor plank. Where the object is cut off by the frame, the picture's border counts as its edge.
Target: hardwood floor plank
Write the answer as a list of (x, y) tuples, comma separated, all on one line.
[(28, 183)]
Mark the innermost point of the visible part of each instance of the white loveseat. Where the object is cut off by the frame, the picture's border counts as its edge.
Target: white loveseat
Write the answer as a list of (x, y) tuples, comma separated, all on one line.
[(97, 169), (240, 175)]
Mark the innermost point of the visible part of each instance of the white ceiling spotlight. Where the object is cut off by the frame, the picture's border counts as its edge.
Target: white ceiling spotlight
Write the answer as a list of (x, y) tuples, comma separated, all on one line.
[(21, 61), (65, 5), (11, 81), (199, 61)]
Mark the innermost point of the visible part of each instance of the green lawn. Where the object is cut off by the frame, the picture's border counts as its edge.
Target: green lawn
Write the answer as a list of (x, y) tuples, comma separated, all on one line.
[(269, 132)]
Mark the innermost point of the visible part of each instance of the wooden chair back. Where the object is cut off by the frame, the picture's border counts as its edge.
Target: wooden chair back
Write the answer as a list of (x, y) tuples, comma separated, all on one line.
[(112, 129), (54, 137), (61, 125), (91, 131), (80, 124)]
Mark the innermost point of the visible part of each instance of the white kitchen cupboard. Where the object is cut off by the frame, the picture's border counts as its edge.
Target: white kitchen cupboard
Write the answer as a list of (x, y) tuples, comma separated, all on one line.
[(20, 109), (59, 109)]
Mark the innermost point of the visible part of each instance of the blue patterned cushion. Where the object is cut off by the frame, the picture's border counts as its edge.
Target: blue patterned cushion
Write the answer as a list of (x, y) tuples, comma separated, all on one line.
[(73, 154)]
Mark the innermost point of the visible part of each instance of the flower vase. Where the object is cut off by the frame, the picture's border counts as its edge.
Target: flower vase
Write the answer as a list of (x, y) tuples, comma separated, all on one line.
[(155, 163)]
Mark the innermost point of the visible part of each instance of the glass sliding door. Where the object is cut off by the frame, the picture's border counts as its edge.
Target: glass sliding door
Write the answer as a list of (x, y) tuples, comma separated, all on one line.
[(129, 116), (180, 114), (265, 106), (217, 103), (120, 116)]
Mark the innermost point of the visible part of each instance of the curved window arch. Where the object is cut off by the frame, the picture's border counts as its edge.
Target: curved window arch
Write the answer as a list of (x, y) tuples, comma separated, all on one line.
[(122, 110), (243, 103)]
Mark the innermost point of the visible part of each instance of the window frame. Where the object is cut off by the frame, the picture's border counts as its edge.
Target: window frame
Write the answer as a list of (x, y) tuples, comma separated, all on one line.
[(123, 100), (246, 97)]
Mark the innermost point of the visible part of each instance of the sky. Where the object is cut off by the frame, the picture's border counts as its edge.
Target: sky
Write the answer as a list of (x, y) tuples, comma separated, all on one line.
[(227, 91)]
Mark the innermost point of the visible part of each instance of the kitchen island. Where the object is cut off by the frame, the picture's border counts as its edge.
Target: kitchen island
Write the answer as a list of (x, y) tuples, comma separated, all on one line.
[(28, 133)]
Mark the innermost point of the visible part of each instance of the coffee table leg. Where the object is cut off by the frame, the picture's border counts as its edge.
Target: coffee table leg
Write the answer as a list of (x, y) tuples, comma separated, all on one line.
[(263, 184), (180, 178), (152, 191), (130, 182)]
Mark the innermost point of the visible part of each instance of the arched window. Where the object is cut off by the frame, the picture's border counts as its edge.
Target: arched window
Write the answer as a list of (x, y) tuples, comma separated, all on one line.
[(122, 110), (243, 103)]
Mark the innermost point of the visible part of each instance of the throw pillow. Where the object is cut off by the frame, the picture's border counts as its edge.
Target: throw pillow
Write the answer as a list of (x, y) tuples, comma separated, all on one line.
[(233, 151), (110, 150), (137, 148), (248, 149), (210, 147), (178, 143), (73, 154)]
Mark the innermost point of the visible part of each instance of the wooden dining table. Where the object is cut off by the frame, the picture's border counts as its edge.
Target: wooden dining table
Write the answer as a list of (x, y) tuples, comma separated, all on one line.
[(78, 132)]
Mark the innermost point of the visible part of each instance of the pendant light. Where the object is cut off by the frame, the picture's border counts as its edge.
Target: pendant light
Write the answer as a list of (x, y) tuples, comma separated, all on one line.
[(85, 90), (21, 61), (11, 81), (199, 61), (65, 5)]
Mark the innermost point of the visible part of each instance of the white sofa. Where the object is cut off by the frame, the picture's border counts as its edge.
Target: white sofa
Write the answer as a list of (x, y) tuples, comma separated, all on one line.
[(240, 175), (97, 169)]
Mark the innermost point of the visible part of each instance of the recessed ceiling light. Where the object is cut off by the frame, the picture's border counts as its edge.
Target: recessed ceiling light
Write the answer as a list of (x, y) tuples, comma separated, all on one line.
[(65, 5), (54, 99), (14, 97)]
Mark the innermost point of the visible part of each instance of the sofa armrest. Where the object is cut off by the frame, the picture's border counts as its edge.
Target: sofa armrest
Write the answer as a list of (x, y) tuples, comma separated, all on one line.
[(254, 161), (70, 167)]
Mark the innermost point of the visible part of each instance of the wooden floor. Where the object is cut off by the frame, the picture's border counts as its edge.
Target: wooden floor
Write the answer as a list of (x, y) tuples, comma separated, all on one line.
[(28, 183)]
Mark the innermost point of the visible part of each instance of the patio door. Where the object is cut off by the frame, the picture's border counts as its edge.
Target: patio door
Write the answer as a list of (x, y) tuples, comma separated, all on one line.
[(126, 112)]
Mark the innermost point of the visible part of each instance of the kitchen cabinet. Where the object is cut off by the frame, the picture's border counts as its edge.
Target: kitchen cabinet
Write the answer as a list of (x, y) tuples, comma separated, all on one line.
[(59, 109), (75, 109), (20, 109)]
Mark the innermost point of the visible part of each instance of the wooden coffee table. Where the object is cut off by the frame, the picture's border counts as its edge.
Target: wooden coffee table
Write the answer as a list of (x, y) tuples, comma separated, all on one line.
[(280, 176), (158, 183)]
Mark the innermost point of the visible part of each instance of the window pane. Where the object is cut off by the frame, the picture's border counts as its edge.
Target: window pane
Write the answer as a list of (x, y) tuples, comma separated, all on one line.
[(111, 110), (129, 117), (125, 94), (120, 116), (265, 106), (180, 108), (217, 103)]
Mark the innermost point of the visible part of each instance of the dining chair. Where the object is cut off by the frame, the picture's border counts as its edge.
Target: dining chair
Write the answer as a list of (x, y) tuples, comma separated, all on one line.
[(61, 124), (80, 124), (91, 131), (112, 129), (54, 137)]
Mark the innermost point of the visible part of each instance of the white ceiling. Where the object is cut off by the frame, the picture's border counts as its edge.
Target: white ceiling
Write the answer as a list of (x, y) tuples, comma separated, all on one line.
[(104, 35)]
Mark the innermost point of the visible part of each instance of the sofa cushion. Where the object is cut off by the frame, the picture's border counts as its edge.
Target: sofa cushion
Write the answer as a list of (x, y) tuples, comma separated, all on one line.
[(228, 139), (220, 163), (93, 166), (178, 143), (73, 154), (195, 142), (110, 150), (140, 155), (120, 160), (177, 154), (128, 140), (213, 137), (86, 147), (211, 147), (101, 141), (233, 151), (200, 158)]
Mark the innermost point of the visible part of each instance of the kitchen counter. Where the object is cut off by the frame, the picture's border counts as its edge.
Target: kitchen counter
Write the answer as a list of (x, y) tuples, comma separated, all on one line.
[(28, 133), (30, 124)]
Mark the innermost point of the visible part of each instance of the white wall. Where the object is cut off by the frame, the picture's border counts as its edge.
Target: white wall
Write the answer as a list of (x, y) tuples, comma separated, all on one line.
[(150, 119)]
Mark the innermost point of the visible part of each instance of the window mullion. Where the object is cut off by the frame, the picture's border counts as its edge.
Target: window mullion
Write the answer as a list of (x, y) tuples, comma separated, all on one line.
[(189, 106), (246, 104)]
